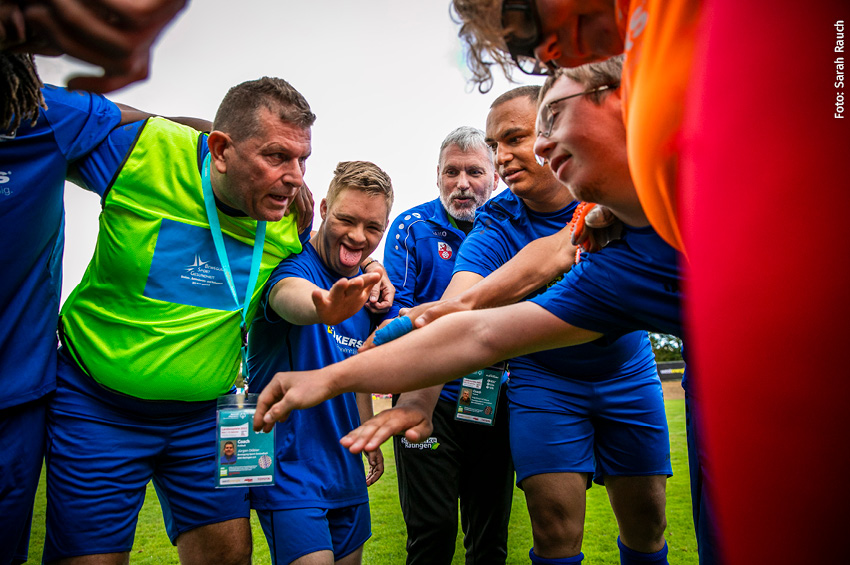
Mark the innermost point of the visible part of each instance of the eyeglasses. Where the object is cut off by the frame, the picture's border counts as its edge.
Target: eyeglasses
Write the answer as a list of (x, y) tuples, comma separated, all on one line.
[(547, 116), (522, 22)]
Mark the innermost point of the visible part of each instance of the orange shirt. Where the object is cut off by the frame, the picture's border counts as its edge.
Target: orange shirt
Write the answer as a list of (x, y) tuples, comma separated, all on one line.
[(659, 37)]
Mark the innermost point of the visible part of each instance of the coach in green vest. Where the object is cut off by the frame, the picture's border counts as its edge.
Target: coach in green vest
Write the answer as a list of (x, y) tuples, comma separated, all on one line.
[(192, 225)]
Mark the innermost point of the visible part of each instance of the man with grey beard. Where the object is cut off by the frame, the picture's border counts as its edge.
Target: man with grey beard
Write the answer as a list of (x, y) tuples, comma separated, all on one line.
[(460, 460)]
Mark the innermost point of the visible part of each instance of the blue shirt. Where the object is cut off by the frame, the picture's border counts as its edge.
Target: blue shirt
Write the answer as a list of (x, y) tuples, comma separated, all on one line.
[(503, 226), (33, 165), (634, 283), (419, 256), (312, 468)]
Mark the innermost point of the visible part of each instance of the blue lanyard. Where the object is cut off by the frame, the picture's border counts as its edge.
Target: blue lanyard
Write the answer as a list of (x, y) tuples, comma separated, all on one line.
[(256, 259)]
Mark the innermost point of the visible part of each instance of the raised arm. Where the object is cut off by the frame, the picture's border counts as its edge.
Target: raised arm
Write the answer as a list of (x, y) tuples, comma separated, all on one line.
[(537, 264), (413, 412)]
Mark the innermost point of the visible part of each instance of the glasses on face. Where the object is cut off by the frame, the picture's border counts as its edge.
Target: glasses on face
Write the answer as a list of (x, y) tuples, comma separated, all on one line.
[(522, 24), (547, 115)]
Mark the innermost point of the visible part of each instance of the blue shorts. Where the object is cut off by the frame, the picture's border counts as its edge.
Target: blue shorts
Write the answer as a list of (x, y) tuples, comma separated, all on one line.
[(103, 448), (22, 428), (298, 532), (614, 427)]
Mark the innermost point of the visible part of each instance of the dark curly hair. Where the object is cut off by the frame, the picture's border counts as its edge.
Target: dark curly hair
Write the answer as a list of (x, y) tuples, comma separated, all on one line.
[(20, 90)]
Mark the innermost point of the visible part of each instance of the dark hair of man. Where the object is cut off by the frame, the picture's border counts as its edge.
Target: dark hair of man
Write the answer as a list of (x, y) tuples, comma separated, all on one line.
[(237, 115), (590, 76), (531, 92), (20, 90)]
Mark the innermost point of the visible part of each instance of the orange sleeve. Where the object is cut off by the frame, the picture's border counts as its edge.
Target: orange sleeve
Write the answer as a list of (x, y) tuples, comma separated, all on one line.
[(659, 39)]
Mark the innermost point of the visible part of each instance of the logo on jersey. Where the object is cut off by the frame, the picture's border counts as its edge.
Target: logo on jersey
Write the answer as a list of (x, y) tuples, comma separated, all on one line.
[(430, 443), (348, 345), (5, 176), (444, 250), (637, 24)]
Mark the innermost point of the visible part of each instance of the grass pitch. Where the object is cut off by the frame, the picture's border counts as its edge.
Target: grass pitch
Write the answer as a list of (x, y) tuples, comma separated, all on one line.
[(387, 543)]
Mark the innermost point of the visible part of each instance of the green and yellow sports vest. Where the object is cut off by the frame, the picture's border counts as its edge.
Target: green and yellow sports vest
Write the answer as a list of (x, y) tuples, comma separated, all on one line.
[(153, 316)]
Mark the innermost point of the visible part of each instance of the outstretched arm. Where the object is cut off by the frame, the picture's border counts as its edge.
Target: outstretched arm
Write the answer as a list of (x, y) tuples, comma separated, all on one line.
[(301, 302), (536, 265), (413, 412), (130, 115), (449, 348)]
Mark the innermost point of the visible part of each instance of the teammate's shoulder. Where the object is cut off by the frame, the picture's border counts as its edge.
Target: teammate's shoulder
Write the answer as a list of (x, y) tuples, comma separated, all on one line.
[(417, 214), (503, 206)]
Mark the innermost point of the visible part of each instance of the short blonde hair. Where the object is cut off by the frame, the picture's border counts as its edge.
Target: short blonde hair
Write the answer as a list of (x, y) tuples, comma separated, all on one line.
[(361, 175)]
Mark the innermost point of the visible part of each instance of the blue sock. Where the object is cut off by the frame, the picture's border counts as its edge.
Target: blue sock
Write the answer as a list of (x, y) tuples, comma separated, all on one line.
[(575, 559), (632, 557)]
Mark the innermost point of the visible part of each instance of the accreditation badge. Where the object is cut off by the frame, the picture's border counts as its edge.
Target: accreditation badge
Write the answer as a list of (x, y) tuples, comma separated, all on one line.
[(478, 396), (245, 457)]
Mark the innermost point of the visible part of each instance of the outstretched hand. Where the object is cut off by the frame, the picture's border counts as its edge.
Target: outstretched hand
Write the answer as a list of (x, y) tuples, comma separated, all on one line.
[(410, 420), (116, 35), (287, 392), (345, 298)]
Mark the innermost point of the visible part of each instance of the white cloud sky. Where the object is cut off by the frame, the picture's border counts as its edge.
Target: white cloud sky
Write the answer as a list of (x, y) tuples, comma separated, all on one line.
[(386, 79)]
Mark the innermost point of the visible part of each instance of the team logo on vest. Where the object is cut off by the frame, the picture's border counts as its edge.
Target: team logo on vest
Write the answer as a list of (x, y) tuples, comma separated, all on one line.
[(444, 250), (202, 273)]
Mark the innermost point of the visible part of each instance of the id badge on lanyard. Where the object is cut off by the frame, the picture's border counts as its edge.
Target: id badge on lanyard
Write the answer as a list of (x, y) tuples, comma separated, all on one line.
[(245, 457), (478, 396)]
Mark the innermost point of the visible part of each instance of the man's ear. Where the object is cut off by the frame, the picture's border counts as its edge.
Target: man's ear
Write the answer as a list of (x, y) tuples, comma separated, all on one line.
[(218, 142), (323, 209)]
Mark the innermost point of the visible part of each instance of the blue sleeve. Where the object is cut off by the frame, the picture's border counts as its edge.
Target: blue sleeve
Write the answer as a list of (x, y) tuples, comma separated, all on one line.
[(294, 266), (80, 120), (587, 298), (100, 167), (485, 249), (401, 266)]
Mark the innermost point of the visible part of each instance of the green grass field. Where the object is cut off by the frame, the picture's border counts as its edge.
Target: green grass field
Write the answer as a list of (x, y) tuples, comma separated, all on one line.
[(387, 543)]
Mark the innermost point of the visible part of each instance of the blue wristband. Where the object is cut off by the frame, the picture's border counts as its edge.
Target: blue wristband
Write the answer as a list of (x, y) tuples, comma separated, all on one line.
[(394, 329)]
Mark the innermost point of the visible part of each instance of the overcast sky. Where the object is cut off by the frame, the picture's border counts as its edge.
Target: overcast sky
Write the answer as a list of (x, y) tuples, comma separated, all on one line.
[(386, 79)]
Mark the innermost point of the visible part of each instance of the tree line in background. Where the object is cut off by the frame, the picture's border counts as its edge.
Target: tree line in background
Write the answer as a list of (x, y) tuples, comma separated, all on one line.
[(666, 347)]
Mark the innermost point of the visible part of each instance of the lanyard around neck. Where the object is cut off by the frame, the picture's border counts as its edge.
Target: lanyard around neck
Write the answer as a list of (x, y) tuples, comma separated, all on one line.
[(256, 258)]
